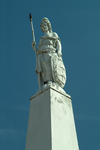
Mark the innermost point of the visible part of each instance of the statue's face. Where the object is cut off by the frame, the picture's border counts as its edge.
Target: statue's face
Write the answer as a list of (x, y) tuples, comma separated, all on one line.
[(44, 27)]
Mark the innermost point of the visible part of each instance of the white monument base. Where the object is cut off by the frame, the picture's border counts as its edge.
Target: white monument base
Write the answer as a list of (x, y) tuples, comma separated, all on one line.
[(51, 122)]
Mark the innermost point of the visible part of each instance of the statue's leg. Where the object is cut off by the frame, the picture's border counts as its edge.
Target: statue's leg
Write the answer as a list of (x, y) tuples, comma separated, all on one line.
[(46, 66), (39, 81), (38, 71)]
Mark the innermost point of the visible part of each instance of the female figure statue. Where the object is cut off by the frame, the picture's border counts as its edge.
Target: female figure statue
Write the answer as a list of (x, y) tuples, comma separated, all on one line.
[(49, 63)]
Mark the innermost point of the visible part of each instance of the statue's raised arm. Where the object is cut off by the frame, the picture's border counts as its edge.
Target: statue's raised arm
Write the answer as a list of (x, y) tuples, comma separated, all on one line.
[(49, 64)]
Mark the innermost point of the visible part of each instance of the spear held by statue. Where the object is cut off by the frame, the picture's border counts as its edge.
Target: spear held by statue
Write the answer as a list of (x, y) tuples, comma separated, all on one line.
[(34, 43), (33, 35)]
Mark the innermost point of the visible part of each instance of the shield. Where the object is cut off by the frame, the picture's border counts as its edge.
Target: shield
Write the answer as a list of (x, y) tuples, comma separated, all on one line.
[(59, 72)]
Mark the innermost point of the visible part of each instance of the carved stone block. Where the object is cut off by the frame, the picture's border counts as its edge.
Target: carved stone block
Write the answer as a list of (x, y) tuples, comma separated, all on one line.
[(51, 122)]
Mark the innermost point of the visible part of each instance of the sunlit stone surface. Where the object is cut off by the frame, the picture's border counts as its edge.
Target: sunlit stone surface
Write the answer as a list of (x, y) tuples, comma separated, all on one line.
[(51, 123)]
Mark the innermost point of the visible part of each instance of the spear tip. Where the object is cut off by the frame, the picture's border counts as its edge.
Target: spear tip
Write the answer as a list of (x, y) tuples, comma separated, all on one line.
[(30, 16)]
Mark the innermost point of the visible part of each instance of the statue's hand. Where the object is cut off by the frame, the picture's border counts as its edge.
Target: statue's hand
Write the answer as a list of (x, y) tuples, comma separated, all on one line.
[(33, 44)]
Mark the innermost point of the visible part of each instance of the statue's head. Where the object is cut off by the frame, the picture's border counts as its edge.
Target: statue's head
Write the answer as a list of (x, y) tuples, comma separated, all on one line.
[(45, 25)]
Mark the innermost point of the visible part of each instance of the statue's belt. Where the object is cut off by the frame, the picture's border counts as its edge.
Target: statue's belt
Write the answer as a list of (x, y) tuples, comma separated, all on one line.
[(45, 51)]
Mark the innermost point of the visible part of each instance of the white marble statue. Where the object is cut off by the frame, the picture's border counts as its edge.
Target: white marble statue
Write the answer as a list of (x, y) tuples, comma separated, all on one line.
[(49, 63)]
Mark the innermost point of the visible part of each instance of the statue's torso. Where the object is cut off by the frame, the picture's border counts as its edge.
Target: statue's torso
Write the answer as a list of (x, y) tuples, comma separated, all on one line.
[(47, 43), (49, 63)]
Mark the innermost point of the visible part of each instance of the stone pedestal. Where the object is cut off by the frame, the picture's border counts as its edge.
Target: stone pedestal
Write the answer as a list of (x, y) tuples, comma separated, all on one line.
[(51, 122)]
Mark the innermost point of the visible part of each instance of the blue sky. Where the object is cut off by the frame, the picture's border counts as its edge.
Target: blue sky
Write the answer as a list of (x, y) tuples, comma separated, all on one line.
[(78, 25)]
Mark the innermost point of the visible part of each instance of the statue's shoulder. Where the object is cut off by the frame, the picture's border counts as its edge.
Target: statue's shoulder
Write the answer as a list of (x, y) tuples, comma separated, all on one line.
[(55, 35)]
